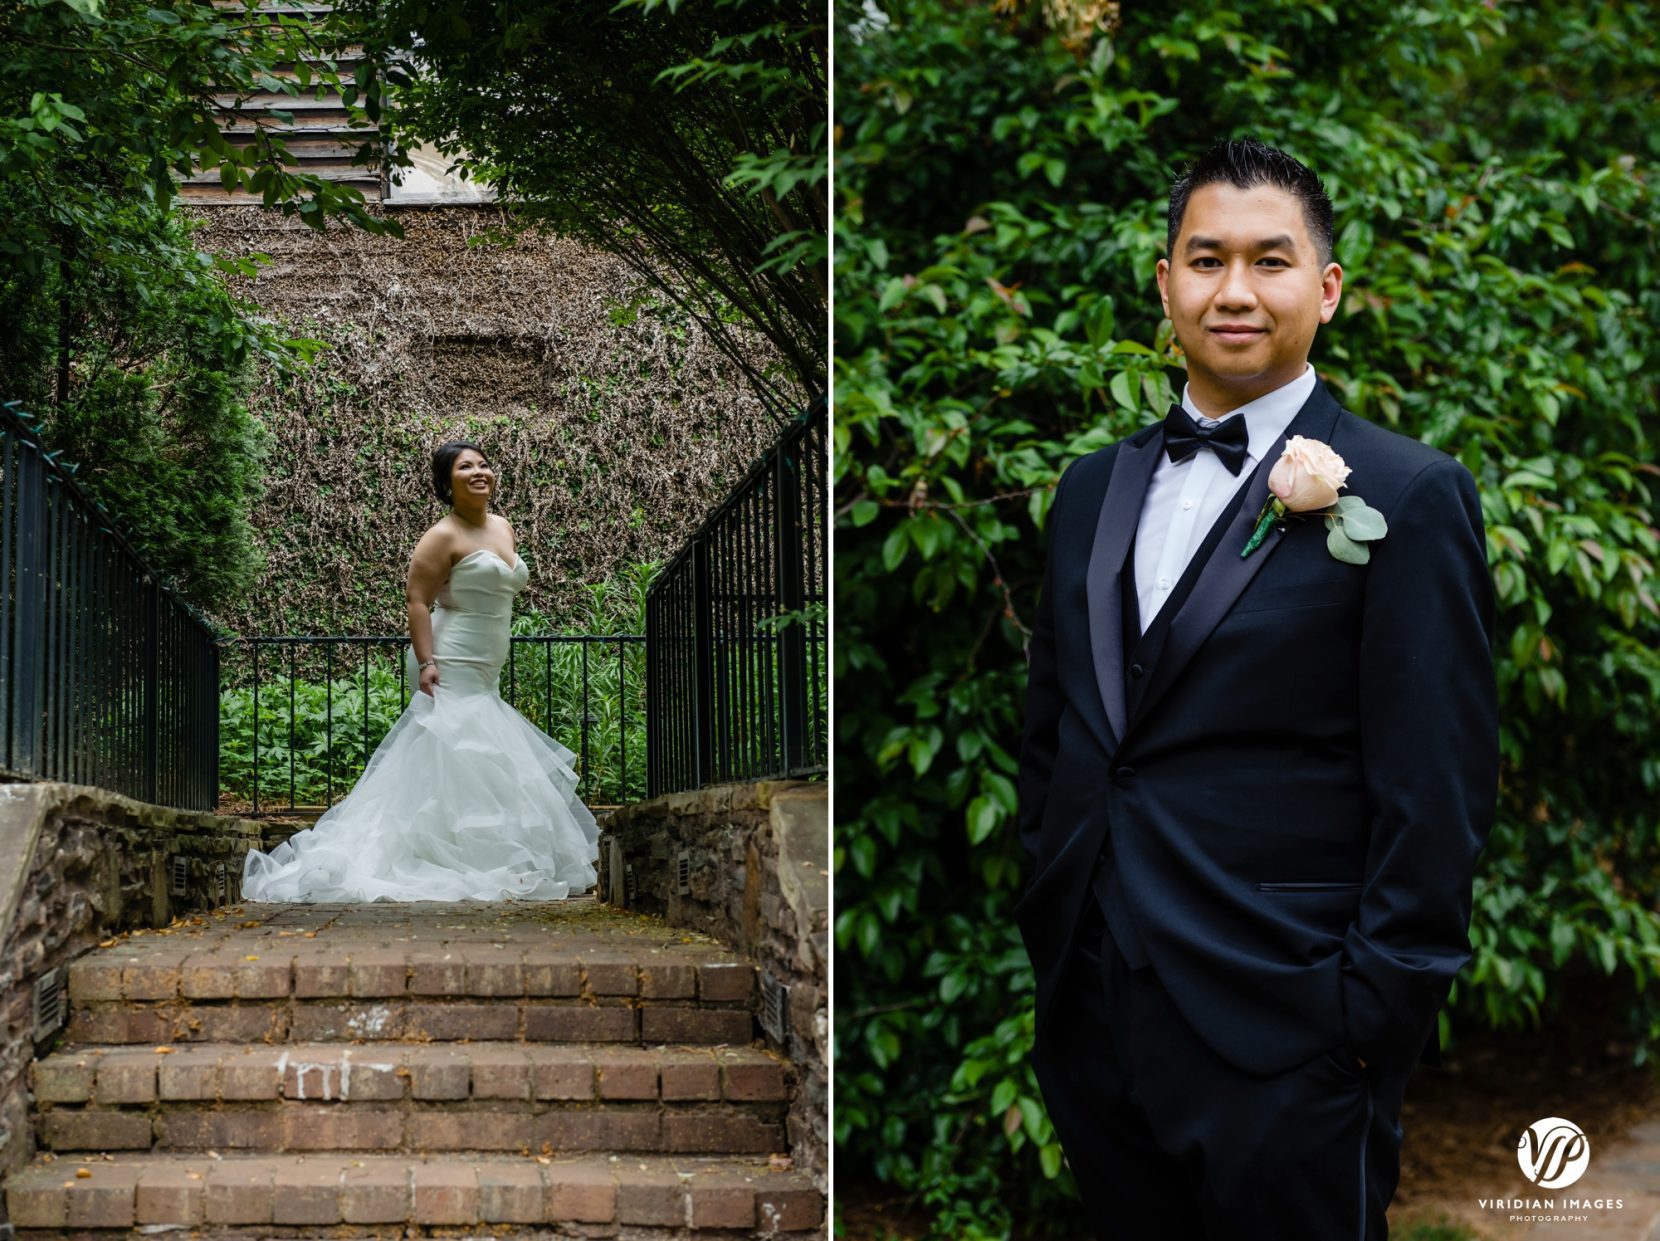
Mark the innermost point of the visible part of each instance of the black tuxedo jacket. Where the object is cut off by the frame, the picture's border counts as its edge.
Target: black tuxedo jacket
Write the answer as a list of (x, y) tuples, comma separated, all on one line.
[(1297, 786)]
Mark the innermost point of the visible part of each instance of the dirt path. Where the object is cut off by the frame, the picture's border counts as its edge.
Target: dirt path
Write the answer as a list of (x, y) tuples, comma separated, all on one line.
[(1463, 1124)]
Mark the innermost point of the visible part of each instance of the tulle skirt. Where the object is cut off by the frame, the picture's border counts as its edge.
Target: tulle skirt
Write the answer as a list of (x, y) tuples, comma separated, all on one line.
[(464, 800)]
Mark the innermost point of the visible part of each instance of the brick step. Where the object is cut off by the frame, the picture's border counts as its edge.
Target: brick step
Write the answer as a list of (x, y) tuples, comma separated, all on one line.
[(627, 1021), (271, 965), (489, 1096), (361, 1195), (305, 974)]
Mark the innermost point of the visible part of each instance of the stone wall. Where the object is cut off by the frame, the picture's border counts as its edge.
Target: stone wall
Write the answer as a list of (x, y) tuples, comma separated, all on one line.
[(748, 864), (78, 865)]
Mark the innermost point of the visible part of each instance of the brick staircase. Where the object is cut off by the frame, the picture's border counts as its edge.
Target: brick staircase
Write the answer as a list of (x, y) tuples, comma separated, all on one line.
[(557, 1069)]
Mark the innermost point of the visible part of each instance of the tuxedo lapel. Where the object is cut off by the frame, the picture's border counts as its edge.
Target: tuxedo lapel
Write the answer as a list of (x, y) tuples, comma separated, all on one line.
[(1132, 468), (1225, 575)]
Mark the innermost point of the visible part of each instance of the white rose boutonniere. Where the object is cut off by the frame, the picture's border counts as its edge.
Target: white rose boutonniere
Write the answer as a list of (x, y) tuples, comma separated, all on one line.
[(1305, 480)]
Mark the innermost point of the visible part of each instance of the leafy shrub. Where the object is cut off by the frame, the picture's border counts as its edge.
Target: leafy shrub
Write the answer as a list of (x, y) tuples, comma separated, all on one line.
[(115, 330), (1003, 174)]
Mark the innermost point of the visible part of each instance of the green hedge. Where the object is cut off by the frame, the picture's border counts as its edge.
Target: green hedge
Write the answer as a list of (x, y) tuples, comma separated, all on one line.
[(1002, 185)]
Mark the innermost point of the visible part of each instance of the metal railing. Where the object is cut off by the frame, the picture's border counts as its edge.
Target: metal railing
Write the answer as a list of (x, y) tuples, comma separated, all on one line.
[(305, 713), (107, 676), (736, 658)]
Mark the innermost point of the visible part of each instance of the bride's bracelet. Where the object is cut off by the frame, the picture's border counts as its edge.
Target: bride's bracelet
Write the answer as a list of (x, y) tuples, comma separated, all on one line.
[(427, 663)]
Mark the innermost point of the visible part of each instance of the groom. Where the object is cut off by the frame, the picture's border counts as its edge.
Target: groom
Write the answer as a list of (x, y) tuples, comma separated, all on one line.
[(1255, 787)]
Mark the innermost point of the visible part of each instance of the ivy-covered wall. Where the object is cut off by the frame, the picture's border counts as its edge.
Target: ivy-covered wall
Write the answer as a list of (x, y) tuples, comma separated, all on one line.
[(616, 425)]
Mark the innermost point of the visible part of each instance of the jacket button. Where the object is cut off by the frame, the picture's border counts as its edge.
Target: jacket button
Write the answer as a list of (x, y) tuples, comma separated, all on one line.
[(1136, 670), (1123, 773)]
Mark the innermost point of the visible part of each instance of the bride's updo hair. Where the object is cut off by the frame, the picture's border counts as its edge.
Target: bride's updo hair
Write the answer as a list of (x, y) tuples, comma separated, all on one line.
[(443, 465)]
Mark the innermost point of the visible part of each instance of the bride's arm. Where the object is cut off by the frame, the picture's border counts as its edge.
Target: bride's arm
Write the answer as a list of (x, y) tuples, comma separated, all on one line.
[(428, 567)]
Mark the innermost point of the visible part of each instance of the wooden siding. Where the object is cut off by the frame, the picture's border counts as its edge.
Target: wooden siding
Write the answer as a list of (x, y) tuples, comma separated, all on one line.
[(321, 138)]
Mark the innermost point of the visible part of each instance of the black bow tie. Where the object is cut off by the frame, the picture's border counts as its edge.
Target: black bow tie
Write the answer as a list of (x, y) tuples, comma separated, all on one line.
[(1183, 437)]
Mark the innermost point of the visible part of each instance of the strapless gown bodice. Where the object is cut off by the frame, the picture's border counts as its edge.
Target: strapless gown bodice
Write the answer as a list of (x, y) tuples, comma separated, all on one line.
[(465, 799), (483, 583), (472, 624)]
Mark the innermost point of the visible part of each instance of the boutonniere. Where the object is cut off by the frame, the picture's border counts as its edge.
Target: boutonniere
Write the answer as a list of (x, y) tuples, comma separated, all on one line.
[(1305, 480)]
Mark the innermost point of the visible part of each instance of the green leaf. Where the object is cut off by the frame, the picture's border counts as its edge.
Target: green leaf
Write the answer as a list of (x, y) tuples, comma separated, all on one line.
[(895, 546), (1122, 388), (1003, 1096), (1364, 524), (1561, 941), (927, 532), (1049, 1157), (870, 934), (1099, 326), (1031, 1116), (1345, 548), (1001, 789), (1355, 243)]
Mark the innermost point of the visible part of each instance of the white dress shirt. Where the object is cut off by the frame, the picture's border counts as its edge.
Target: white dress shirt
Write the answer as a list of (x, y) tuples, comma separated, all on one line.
[(1184, 497)]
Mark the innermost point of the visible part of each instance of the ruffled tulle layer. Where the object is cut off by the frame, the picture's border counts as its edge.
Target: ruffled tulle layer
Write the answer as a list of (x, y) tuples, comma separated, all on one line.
[(464, 800)]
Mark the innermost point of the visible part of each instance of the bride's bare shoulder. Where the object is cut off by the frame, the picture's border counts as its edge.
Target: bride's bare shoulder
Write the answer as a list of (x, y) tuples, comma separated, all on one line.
[(437, 545)]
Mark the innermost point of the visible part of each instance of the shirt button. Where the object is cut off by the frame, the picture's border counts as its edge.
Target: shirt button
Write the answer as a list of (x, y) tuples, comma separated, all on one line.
[(1164, 583), (1187, 503)]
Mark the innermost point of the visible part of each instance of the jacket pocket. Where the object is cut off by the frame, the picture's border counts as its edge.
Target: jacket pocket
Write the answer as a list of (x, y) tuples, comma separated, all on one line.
[(1307, 887), (1319, 593), (1346, 1062)]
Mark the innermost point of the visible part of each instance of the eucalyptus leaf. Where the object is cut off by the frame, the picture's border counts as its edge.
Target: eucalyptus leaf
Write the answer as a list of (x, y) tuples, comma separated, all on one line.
[(1346, 549), (1364, 524)]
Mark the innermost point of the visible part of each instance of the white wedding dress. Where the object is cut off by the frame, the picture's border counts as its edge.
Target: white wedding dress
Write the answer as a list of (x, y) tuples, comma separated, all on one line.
[(465, 799)]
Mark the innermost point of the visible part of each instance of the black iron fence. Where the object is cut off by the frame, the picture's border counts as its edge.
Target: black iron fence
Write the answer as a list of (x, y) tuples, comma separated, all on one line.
[(301, 716), (737, 662), (107, 676)]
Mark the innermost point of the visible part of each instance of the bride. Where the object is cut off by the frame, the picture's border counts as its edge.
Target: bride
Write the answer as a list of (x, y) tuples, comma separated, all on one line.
[(465, 799)]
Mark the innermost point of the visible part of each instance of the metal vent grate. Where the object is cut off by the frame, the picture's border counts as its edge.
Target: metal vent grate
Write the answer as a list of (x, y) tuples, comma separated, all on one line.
[(775, 1008), (683, 873), (630, 887), (181, 875), (49, 1003), (221, 883)]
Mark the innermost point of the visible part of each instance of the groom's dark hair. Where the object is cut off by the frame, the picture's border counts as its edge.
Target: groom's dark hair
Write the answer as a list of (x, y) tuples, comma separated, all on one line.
[(443, 465), (1243, 163)]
